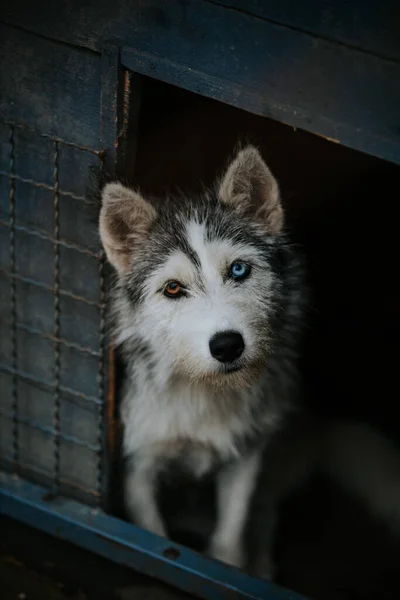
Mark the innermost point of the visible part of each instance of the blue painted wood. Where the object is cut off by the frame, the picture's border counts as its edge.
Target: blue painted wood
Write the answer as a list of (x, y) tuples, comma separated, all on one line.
[(113, 120), (357, 104), (270, 69), (128, 545), (371, 26)]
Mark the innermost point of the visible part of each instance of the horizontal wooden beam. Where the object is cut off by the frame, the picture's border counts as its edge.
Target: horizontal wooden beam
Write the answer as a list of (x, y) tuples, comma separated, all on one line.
[(371, 26)]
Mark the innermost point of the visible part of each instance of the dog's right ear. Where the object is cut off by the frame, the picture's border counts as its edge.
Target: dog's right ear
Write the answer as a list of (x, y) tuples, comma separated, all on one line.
[(125, 219), (249, 187)]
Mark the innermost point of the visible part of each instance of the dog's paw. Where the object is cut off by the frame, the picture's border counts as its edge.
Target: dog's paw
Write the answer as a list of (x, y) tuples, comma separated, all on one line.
[(231, 555)]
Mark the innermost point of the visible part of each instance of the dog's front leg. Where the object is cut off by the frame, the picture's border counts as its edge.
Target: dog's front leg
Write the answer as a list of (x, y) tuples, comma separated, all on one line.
[(140, 496), (235, 487)]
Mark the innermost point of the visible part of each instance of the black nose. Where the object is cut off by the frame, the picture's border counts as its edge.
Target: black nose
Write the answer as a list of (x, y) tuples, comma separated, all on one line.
[(226, 346)]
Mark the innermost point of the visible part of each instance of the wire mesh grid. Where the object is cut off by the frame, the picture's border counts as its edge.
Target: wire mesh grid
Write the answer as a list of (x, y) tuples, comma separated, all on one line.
[(53, 366)]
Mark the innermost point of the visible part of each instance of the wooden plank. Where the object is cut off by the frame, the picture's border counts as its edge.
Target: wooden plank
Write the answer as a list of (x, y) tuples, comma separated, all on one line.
[(347, 97), (50, 87), (271, 70), (120, 107), (371, 26), (120, 104)]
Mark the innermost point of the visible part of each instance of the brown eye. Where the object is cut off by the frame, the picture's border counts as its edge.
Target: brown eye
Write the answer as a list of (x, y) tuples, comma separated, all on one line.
[(173, 289)]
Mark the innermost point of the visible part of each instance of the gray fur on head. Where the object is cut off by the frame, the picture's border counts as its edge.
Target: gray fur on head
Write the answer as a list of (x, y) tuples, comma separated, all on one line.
[(194, 241)]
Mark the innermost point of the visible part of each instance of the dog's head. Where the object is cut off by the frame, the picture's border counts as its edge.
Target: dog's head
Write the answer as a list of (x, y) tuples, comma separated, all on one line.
[(204, 277)]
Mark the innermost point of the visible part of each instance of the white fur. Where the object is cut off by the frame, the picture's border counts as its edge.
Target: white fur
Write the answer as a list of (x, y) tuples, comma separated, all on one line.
[(184, 327), (235, 487), (140, 497), (192, 429)]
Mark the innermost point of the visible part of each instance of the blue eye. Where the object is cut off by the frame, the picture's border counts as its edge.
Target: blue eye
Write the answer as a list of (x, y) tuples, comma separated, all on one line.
[(240, 270)]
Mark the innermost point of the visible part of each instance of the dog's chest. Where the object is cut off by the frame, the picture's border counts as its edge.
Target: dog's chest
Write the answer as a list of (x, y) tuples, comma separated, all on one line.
[(185, 425)]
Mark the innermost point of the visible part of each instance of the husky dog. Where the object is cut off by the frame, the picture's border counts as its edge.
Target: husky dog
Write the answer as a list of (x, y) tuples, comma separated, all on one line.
[(209, 308)]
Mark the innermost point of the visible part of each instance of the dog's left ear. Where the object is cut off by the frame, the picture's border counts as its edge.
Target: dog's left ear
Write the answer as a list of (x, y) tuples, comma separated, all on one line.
[(125, 221), (249, 186)]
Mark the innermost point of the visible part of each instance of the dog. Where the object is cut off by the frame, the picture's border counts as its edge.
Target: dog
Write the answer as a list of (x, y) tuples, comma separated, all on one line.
[(209, 308)]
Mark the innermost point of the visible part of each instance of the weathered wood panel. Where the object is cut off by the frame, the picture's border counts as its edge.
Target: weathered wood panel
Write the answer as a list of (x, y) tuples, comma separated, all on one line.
[(372, 26), (270, 69), (50, 87)]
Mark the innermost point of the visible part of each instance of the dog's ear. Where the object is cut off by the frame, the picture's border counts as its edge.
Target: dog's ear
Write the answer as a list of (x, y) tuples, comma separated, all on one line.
[(249, 186), (125, 219)]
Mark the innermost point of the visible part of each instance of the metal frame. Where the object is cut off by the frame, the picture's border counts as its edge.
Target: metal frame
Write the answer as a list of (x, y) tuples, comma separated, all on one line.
[(128, 545)]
